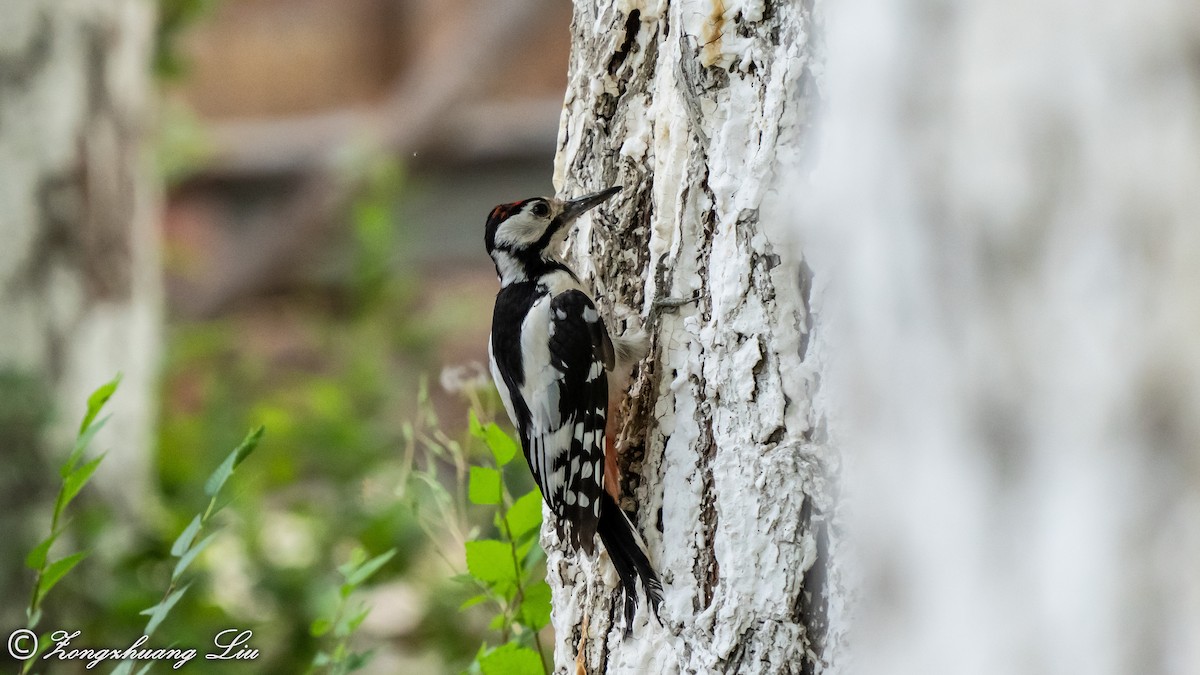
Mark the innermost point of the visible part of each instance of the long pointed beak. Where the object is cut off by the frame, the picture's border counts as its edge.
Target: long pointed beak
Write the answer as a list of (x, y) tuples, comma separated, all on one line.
[(574, 208)]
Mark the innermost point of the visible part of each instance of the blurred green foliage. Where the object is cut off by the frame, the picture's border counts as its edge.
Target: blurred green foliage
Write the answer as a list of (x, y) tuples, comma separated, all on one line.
[(188, 546), (347, 617), (181, 143), (331, 373), (358, 468), (174, 16), (74, 475), (358, 460), (25, 482), (506, 568)]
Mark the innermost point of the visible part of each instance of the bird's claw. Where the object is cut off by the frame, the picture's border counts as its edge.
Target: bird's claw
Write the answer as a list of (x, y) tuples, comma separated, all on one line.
[(674, 303)]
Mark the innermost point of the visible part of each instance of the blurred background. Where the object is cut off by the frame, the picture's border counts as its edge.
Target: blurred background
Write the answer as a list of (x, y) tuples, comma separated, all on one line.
[(279, 223), (326, 167)]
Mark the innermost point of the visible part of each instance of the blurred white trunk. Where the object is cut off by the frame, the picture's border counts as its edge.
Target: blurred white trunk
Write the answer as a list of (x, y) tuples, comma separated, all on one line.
[(79, 273), (1009, 195), (688, 106)]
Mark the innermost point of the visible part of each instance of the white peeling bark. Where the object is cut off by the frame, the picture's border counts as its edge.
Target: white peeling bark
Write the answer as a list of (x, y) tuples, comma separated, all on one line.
[(79, 272), (691, 105)]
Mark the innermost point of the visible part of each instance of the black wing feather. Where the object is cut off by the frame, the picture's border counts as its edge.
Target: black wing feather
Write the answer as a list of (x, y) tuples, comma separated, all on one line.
[(583, 404)]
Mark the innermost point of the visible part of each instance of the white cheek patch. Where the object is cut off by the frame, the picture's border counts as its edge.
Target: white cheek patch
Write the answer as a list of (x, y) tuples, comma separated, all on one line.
[(520, 230)]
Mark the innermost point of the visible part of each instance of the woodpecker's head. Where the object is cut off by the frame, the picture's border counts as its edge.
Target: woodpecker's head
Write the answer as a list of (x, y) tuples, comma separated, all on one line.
[(522, 234)]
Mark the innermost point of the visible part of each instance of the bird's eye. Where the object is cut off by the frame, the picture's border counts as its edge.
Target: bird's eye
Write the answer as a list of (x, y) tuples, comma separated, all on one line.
[(540, 209)]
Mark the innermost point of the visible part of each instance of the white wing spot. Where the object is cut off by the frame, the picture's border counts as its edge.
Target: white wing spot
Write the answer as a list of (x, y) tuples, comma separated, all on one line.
[(583, 501), (570, 498), (587, 471), (596, 508)]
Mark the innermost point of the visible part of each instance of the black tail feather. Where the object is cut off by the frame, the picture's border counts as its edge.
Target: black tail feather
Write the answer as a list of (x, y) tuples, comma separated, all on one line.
[(628, 557)]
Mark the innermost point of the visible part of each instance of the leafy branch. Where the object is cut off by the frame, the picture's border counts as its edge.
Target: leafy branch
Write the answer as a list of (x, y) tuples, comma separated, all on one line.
[(186, 549), (344, 621), (74, 477), (505, 568)]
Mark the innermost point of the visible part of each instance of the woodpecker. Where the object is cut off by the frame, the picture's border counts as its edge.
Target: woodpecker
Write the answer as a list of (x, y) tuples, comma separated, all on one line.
[(553, 361)]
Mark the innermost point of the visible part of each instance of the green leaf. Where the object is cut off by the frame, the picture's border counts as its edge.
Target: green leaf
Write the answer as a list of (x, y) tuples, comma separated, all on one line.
[(217, 480), (463, 579), (535, 606), (356, 620), (431, 502), (503, 447), (511, 659), (320, 627), (484, 487), (474, 426), (370, 567), (525, 514), (75, 481), (472, 601), (525, 544), (357, 557), (97, 400), (357, 661), (37, 557), (81, 444), (57, 570), (159, 612), (191, 554), (185, 538), (490, 561)]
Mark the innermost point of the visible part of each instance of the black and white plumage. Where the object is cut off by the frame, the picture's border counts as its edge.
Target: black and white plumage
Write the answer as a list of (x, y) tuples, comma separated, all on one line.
[(551, 356)]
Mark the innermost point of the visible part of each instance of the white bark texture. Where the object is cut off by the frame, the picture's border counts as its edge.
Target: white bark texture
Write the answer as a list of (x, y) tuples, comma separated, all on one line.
[(1008, 195), (79, 273), (691, 105)]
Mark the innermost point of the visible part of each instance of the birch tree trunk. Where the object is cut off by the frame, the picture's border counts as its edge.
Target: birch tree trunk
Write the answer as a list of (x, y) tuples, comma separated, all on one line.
[(79, 272), (691, 105), (1019, 312)]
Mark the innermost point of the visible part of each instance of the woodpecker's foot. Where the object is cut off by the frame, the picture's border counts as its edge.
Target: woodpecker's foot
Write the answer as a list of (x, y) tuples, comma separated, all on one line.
[(662, 304), (673, 303)]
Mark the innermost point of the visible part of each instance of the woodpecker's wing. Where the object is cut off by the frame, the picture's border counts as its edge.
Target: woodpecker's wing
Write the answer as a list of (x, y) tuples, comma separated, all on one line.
[(565, 436)]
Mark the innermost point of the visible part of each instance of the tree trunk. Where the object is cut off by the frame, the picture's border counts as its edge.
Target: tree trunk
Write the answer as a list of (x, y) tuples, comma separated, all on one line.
[(1020, 294), (79, 272), (690, 105)]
